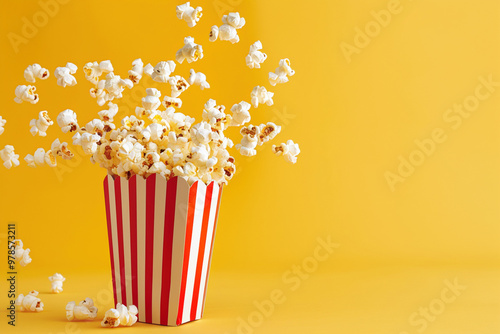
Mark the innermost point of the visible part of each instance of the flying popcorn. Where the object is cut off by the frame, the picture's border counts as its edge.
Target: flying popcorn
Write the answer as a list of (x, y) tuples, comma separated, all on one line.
[(178, 84), (22, 255), (241, 114), (85, 310), (148, 69), (109, 114), (61, 149), (282, 72), (42, 158), (249, 141), (190, 51), (57, 282), (120, 316), (189, 14), (289, 151), (39, 126), (260, 95), (9, 157), (110, 88), (3, 121), (162, 71), (67, 121), (26, 93), (35, 71), (215, 116), (30, 302), (94, 70), (87, 141), (135, 74), (214, 34), (64, 75), (171, 102), (255, 57), (228, 31), (198, 78)]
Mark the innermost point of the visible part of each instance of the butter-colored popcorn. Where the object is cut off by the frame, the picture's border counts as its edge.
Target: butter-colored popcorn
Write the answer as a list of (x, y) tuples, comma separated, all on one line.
[(30, 302), (282, 72), (190, 51), (22, 255), (162, 70), (228, 31), (35, 71), (64, 75), (152, 99), (267, 132), (87, 141), (110, 88), (122, 315), (111, 318), (94, 70), (249, 141), (135, 74), (3, 121), (215, 116), (26, 93), (241, 114), (214, 34), (260, 95), (56, 281), (109, 114), (189, 14), (198, 78), (178, 84), (154, 132), (39, 126), (67, 121), (38, 159), (61, 149), (255, 57), (288, 150), (85, 310), (171, 102), (9, 157)]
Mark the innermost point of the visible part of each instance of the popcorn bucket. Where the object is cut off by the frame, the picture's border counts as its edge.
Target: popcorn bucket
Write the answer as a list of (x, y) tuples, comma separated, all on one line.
[(161, 235)]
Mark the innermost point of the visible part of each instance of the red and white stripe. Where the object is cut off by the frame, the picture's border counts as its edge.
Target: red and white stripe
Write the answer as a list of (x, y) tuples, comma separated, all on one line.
[(161, 235)]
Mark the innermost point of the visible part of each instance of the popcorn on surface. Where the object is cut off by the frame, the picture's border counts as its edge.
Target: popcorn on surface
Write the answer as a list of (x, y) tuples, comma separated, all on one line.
[(288, 150), (198, 78), (190, 51), (255, 57), (22, 255), (189, 14), (30, 302), (122, 315), (260, 95), (3, 121), (39, 126), (282, 72), (57, 282), (32, 72), (85, 310), (64, 75), (26, 93), (10, 159)]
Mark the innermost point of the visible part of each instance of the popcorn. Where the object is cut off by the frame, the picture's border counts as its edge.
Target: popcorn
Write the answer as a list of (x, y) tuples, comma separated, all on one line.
[(267, 132), (189, 14), (171, 102), (148, 69), (282, 72), (57, 282), (85, 310), (178, 84), (110, 88), (199, 79), (256, 135), (214, 34), (215, 116), (2, 124), (39, 126), (94, 70), (9, 157), (108, 115), (67, 121), (255, 57), (135, 74), (40, 158), (64, 75), (61, 149), (30, 302), (26, 93), (120, 316), (190, 51), (241, 114), (228, 31), (35, 71), (261, 95), (87, 141), (162, 71), (22, 255), (289, 151)]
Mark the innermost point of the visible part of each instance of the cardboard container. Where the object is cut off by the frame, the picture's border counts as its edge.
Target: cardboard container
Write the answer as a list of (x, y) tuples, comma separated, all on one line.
[(161, 236)]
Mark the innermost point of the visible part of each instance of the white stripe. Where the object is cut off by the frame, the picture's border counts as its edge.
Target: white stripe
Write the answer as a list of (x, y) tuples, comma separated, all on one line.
[(114, 238), (126, 239), (193, 253), (141, 246), (206, 254), (159, 222), (178, 243)]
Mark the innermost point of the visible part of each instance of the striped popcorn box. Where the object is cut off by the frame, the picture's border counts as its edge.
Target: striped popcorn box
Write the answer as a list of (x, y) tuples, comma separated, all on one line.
[(161, 235)]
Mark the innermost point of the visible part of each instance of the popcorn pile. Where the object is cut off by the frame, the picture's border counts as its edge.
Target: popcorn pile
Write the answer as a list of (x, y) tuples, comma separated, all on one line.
[(158, 138)]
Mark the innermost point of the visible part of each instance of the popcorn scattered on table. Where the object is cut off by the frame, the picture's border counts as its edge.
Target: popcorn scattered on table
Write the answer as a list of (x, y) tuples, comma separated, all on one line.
[(255, 57), (8, 156), (198, 78), (85, 310), (39, 126), (241, 114), (228, 31), (3, 121), (120, 316), (26, 93), (57, 282), (289, 151), (35, 71), (94, 70), (64, 75), (190, 51), (30, 302), (22, 255), (135, 74), (282, 72), (162, 70), (189, 14), (67, 121), (260, 95)]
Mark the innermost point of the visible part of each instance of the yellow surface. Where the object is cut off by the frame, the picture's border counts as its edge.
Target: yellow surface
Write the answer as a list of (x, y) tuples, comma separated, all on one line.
[(356, 105)]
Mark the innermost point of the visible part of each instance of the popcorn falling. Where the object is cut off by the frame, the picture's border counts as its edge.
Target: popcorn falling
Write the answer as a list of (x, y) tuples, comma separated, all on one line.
[(120, 316), (135, 74), (94, 70), (10, 159), (67, 121), (189, 14), (178, 85), (22, 255), (3, 121), (64, 75), (199, 79), (30, 302), (282, 72), (39, 126), (32, 72), (256, 135), (255, 57), (26, 94), (190, 51), (57, 282), (85, 310), (228, 30), (162, 71), (241, 114), (289, 151), (260, 95)]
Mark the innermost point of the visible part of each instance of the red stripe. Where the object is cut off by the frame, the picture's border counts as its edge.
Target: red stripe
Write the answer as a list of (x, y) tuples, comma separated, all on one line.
[(187, 247), (211, 249), (132, 196), (121, 253), (150, 223), (110, 237), (168, 238), (201, 250)]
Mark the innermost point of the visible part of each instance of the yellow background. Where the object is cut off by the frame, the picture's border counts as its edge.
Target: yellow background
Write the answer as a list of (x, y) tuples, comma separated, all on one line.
[(352, 120)]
